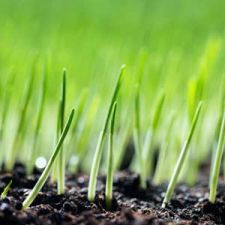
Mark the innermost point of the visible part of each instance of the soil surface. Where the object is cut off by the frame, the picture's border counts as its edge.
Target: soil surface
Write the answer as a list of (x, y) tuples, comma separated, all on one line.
[(131, 205)]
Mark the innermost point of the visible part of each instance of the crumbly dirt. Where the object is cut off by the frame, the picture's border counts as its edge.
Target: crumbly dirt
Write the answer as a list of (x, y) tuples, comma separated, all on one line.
[(131, 205)]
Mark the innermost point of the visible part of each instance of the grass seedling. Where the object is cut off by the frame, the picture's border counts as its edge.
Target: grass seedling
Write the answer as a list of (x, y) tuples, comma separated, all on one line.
[(33, 151), (110, 169), (44, 176), (13, 151), (217, 131), (61, 159), (99, 149), (6, 190), (217, 161), (181, 158)]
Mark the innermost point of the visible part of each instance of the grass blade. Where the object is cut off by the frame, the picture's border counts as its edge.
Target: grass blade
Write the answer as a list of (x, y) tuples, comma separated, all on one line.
[(6, 190), (44, 176), (217, 161), (61, 160), (98, 152), (109, 178), (181, 158)]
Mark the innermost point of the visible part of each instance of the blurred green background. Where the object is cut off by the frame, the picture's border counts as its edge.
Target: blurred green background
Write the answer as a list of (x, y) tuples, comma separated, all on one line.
[(93, 38)]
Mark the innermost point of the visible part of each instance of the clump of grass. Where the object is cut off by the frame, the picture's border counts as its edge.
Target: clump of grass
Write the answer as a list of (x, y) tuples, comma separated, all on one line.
[(217, 161), (99, 148), (181, 158), (44, 176), (6, 190), (110, 169)]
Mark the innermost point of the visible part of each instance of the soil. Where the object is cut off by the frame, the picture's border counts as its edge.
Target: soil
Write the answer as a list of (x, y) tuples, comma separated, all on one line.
[(131, 205)]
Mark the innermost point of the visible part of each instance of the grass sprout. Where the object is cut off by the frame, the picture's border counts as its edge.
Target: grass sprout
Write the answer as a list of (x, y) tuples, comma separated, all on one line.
[(99, 148), (110, 169), (217, 161), (61, 159), (6, 190), (44, 176), (181, 158)]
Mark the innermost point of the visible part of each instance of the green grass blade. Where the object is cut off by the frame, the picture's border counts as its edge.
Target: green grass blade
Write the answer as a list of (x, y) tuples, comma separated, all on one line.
[(99, 149), (6, 190), (109, 178), (44, 176), (114, 97), (217, 162), (181, 158), (61, 160)]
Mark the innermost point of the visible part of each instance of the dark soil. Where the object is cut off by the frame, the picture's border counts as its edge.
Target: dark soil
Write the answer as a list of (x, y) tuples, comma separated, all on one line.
[(131, 205)]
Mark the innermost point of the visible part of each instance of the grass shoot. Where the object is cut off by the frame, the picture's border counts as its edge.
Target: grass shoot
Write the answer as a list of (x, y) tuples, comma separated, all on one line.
[(6, 190), (110, 169), (99, 148), (181, 158), (217, 161), (61, 159), (44, 176)]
